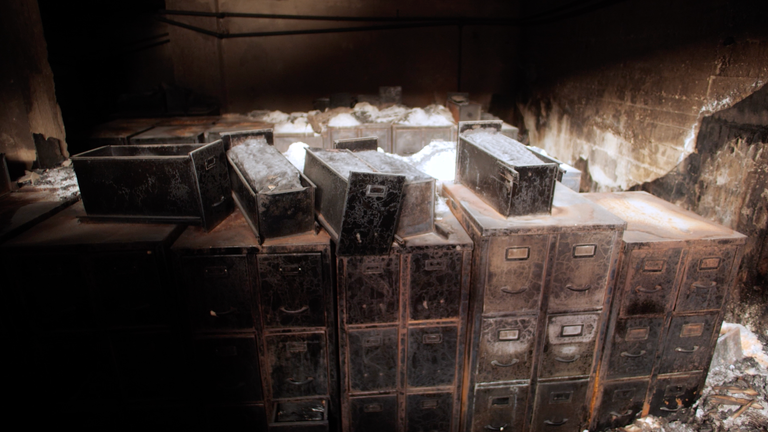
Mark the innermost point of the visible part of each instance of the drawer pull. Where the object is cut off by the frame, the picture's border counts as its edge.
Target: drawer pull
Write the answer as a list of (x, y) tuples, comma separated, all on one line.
[(562, 360), (434, 338), (615, 414), (704, 285), (216, 272), (210, 163), (551, 423), (376, 191), (495, 428), (655, 289), (299, 383), (434, 265), (626, 354), (220, 202), (220, 314), (573, 288), (511, 291), (303, 309), (670, 409), (499, 364), (683, 350)]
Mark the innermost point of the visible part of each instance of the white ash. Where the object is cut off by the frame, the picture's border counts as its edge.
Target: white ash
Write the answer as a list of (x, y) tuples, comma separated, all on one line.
[(344, 120), (438, 159), (503, 147), (265, 169), (432, 115), (296, 154), (61, 181)]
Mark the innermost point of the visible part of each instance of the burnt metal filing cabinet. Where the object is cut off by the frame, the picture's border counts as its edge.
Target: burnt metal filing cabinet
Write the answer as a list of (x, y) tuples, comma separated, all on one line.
[(402, 320), (676, 270), (95, 330), (541, 287), (262, 325)]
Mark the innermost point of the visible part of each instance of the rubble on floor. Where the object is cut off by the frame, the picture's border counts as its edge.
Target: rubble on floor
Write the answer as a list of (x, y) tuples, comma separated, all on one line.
[(61, 181)]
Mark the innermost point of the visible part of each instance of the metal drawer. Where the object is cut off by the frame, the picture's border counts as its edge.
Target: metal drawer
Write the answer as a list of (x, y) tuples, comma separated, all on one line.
[(432, 356), (298, 365), (688, 344), (580, 272), (227, 369), (620, 403), (506, 349), (569, 347), (633, 347), (373, 414), (560, 406), (373, 359), (371, 289), (219, 292), (515, 273), (429, 412), (500, 408), (435, 285), (651, 282), (291, 288), (706, 280), (300, 416), (672, 394)]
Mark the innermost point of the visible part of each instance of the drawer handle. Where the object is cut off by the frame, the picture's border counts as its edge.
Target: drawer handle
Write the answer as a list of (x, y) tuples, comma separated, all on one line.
[(216, 272), (210, 163), (299, 383), (656, 289), (220, 202), (220, 314), (303, 309), (562, 360), (704, 285), (495, 428), (551, 423), (573, 288), (499, 364), (615, 414), (511, 291), (671, 409), (627, 354), (683, 350)]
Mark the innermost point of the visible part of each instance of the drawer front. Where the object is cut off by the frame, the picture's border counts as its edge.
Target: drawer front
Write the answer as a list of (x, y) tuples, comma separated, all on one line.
[(569, 348), (651, 282), (236, 418), (506, 349), (298, 365), (670, 395), (371, 289), (633, 347), (580, 273), (500, 408), (620, 403), (373, 359), (300, 416), (291, 289), (688, 344), (432, 356), (373, 414), (429, 412), (706, 279), (435, 285), (219, 292), (129, 289), (228, 369), (515, 273), (560, 406)]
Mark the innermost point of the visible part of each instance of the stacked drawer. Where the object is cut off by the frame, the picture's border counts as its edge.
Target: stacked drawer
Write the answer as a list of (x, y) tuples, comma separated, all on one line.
[(263, 326), (540, 296), (676, 270)]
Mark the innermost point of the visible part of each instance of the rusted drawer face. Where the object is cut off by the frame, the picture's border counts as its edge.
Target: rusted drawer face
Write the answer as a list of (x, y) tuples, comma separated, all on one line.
[(633, 347), (580, 271), (688, 344), (371, 289), (129, 289), (298, 365), (220, 292), (435, 285), (292, 290), (228, 369), (373, 414), (500, 408), (620, 403), (670, 395), (560, 406), (429, 412), (432, 356), (373, 359), (569, 349), (515, 273), (506, 349), (300, 416), (706, 279), (651, 286)]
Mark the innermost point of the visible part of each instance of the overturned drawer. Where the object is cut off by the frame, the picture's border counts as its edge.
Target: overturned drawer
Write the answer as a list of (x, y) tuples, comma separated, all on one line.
[(276, 198), (187, 183)]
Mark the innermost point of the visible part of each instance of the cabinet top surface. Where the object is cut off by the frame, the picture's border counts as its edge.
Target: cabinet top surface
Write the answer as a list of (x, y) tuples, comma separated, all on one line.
[(651, 219)]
